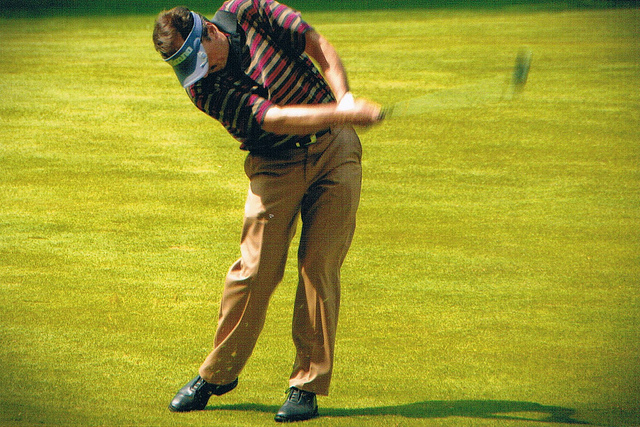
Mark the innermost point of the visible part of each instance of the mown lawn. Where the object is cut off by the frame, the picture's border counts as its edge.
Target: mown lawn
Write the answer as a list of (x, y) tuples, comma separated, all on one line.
[(494, 278)]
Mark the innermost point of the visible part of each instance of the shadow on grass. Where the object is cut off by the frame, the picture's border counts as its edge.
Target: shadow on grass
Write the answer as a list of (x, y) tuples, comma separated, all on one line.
[(487, 409)]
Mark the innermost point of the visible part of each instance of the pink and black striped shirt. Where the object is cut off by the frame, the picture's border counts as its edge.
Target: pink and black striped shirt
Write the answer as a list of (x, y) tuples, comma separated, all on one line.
[(271, 69)]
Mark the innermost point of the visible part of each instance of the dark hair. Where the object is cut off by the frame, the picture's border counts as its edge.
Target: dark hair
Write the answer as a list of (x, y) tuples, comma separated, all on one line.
[(171, 23)]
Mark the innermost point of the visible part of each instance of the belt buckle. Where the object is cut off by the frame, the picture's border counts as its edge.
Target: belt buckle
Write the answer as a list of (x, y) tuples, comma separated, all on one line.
[(313, 138)]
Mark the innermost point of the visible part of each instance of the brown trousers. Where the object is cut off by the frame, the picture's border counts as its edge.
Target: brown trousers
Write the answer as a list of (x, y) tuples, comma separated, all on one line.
[(321, 183)]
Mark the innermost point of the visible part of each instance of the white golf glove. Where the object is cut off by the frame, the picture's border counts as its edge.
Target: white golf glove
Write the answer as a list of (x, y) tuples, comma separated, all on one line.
[(347, 102)]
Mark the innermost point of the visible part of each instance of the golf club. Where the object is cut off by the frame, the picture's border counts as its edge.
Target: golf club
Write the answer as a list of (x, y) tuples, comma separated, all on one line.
[(482, 92)]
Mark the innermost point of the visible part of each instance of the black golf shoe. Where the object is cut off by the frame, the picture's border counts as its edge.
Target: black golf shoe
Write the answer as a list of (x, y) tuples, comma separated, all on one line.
[(196, 393), (300, 405)]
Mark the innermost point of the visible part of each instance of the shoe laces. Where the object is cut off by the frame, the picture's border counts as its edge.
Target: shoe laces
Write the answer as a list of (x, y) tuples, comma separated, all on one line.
[(296, 395), (200, 384)]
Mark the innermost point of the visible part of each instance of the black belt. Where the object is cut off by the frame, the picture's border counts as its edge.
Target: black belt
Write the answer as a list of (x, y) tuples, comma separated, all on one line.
[(312, 139)]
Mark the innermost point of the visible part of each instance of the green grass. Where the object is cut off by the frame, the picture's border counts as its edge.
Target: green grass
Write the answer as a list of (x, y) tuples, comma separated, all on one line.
[(40, 8), (494, 277)]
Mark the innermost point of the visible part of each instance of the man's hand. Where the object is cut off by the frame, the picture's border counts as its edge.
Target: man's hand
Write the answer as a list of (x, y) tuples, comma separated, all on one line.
[(365, 113)]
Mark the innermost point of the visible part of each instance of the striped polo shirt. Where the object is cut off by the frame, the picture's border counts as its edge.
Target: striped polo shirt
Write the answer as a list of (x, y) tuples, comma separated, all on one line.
[(268, 68)]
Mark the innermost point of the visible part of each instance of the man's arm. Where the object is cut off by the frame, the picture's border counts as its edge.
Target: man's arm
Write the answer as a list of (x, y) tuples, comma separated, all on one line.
[(319, 48), (308, 119)]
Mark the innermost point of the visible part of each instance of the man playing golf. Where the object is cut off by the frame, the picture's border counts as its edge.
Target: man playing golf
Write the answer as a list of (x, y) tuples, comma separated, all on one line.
[(250, 69)]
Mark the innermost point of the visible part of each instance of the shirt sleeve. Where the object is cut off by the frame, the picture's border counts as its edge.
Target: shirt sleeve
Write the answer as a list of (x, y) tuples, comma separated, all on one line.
[(240, 112), (283, 24), (287, 25)]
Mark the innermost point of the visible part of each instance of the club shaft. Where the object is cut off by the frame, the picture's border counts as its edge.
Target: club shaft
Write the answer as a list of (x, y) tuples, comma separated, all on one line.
[(483, 92)]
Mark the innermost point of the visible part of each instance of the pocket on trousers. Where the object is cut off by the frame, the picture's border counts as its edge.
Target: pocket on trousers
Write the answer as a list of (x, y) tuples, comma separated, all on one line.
[(249, 165)]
